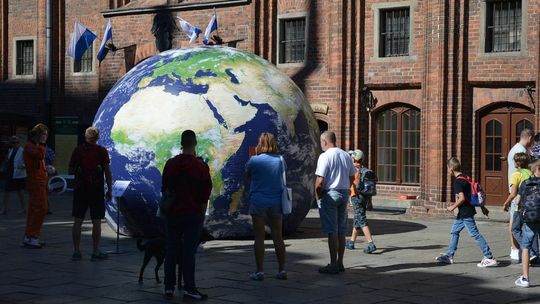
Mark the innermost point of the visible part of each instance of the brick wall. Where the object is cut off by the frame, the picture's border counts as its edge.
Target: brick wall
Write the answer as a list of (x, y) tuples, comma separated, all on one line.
[(446, 75)]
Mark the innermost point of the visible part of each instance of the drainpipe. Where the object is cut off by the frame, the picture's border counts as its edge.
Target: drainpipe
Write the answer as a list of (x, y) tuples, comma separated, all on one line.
[(48, 68)]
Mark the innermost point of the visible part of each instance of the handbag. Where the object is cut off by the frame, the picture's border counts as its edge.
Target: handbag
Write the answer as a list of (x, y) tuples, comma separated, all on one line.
[(286, 193)]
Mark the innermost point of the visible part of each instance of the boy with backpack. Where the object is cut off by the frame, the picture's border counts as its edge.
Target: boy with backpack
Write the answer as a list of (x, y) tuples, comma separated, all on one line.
[(521, 161), (363, 188), (463, 187), (528, 201)]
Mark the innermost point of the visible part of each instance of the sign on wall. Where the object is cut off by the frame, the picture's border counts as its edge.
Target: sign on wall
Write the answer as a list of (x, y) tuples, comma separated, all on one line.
[(66, 138)]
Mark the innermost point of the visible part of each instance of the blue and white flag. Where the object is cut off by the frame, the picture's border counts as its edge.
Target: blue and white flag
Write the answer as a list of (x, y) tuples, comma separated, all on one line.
[(103, 50), (212, 26), (190, 30), (81, 39)]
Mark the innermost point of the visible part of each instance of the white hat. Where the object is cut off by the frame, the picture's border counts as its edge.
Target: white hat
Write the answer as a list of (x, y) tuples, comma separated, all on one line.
[(357, 155)]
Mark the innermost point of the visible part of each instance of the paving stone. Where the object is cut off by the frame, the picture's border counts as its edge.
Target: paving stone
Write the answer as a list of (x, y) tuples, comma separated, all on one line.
[(402, 270)]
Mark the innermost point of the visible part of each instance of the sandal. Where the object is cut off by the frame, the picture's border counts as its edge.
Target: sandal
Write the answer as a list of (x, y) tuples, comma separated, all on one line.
[(77, 256), (329, 269), (98, 256)]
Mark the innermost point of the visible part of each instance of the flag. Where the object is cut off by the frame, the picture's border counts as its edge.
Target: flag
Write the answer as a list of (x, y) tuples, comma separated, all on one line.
[(212, 26), (106, 37), (81, 39), (190, 30)]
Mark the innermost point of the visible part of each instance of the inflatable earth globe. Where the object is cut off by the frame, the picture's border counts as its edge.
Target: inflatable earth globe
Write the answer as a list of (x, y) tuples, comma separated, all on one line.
[(228, 97)]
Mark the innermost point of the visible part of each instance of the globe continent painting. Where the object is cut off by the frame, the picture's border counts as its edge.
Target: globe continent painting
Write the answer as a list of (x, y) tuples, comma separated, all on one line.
[(228, 97)]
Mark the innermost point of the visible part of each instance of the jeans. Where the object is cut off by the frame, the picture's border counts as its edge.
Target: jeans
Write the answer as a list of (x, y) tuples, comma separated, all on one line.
[(518, 232), (182, 239), (530, 235), (468, 222), (333, 211)]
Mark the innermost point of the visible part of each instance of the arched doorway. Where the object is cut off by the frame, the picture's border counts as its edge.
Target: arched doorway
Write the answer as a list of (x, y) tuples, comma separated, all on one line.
[(323, 125), (499, 131)]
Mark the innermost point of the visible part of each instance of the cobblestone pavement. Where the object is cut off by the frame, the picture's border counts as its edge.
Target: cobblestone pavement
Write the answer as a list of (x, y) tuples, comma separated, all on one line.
[(402, 270)]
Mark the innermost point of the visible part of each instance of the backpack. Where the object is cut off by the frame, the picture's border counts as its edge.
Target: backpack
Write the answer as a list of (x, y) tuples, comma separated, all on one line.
[(368, 182), (478, 195), (529, 206), (90, 171)]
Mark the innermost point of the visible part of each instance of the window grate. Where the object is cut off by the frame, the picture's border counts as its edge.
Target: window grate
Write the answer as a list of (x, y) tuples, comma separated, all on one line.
[(503, 32), (293, 40), (87, 62), (394, 33), (25, 57)]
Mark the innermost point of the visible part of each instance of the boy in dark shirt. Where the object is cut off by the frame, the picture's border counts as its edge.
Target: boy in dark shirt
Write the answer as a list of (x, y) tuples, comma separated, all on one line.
[(465, 218)]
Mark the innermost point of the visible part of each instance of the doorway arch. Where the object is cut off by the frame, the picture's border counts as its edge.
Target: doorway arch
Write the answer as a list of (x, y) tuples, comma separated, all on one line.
[(500, 127)]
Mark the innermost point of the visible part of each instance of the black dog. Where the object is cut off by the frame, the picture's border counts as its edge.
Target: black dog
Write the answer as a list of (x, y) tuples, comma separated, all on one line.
[(152, 248), (156, 248)]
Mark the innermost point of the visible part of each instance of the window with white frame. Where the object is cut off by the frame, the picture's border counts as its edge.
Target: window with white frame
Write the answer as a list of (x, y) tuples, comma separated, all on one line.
[(503, 26), (24, 65), (292, 40), (86, 64), (394, 32)]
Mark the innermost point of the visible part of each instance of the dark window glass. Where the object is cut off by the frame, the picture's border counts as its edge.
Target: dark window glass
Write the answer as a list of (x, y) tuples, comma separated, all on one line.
[(386, 162), (493, 145), (25, 57), (503, 26), (394, 32), (293, 40), (86, 64), (398, 146), (411, 147)]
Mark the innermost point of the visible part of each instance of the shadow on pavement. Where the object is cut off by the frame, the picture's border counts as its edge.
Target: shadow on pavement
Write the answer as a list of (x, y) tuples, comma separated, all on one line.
[(311, 228)]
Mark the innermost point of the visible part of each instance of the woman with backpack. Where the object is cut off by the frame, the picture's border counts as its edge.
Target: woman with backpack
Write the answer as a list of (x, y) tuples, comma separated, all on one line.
[(361, 191)]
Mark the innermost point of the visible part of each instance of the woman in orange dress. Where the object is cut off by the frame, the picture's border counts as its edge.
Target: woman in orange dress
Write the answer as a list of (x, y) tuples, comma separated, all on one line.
[(36, 183)]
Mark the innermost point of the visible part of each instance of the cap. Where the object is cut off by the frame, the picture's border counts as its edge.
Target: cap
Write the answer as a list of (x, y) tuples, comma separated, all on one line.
[(358, 155)]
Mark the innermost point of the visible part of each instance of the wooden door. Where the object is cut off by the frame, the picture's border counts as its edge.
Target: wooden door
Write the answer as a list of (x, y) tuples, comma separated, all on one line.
[(500, 131)]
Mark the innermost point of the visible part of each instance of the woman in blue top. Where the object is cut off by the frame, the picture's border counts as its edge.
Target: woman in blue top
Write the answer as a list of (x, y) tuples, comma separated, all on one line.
[(264, 172)]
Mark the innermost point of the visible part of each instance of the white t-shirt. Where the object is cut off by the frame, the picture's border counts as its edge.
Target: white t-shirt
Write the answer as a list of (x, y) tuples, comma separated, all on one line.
[(517, 148), (336, 166)]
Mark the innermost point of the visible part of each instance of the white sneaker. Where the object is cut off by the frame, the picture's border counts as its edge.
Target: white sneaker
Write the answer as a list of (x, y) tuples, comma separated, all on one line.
[(514, 254), (487, 263), (32, 243), (522, 282)]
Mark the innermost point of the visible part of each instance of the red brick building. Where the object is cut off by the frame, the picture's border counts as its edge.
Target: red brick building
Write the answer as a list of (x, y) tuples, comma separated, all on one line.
[(450, 78)]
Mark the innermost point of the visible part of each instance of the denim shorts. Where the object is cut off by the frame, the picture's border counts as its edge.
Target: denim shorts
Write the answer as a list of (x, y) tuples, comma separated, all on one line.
[(267, 212), (359, 204), (333, 211), (529, 233)]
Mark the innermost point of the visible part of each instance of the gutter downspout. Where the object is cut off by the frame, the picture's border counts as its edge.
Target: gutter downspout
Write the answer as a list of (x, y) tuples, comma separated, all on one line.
[(48, 68)]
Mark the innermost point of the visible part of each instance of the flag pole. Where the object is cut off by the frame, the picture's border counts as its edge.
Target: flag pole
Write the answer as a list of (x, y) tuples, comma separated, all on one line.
[(217, 27)]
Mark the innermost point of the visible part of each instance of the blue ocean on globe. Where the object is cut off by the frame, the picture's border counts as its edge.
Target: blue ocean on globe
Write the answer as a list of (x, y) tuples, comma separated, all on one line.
[(228, 97)]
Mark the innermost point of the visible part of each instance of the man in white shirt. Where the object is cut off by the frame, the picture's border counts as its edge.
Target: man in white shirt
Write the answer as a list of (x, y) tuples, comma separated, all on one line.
[(525, 140), (335, 174)]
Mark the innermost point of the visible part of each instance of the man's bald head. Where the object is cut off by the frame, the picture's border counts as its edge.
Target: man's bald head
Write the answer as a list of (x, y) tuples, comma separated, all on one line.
[(328, 140), (329, 136)]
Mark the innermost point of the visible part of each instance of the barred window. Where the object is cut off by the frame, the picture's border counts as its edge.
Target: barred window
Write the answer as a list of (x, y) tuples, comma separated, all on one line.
[(25, 57), (292, 40), (398, 146), (117, 3), (503, 22), (87, 62), (394, 32)]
